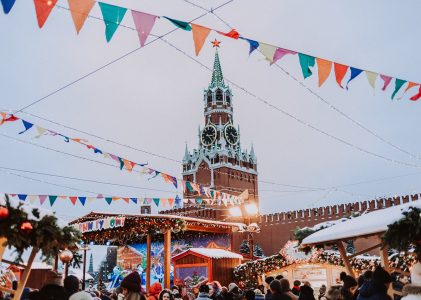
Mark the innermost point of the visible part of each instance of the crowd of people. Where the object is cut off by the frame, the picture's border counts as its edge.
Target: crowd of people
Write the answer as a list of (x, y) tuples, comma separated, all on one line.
[(371, 285)]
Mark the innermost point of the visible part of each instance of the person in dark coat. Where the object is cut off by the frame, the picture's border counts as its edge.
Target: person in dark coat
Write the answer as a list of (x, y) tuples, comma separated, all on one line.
[(349, 287), (296, 287), (53, 288), (277, 292), (306, 293), (71, 285), (268, 280), (376, 288)]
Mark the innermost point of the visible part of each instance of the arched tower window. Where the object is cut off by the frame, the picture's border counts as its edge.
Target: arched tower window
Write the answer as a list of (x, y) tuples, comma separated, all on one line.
[(228, 99), (219, 97), (209, 98)]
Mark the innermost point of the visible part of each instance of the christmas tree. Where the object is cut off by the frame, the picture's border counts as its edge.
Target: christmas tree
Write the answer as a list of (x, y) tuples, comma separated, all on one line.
[(258, 251), (244, 247), (91, 265)]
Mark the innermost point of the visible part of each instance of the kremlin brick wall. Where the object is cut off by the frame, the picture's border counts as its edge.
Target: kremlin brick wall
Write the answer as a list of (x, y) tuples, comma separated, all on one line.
[(277, 228)]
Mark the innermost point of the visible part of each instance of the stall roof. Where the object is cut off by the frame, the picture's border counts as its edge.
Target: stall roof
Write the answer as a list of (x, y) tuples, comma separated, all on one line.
[(369, 224), (190, 221), (211, 253)]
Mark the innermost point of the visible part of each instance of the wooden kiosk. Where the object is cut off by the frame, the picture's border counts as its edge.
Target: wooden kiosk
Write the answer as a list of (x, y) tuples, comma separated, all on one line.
[(207, 264), (121, 230)]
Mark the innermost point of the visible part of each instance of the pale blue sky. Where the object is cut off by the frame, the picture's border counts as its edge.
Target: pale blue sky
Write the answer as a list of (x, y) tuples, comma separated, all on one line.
[(152, 99)]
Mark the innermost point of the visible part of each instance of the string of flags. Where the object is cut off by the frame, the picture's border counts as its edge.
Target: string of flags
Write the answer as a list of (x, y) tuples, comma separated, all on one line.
[(199, 191), (113, 16), (158, 202)]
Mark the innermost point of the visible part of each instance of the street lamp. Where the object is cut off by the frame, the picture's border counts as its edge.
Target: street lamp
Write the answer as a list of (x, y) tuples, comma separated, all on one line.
[(84, 248), (249, 210)]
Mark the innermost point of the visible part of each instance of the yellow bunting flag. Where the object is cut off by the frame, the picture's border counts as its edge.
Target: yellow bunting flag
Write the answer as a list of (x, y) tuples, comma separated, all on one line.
[(268, 51), (371, 76), (200, 34), (80, 10), (324, 68), (32, 198)]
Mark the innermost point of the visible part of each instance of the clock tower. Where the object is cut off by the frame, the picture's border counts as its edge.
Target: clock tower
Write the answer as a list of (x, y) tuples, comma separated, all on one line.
[(219, 162)]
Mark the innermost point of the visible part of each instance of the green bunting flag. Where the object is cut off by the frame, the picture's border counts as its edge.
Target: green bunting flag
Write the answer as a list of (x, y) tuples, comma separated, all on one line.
[(156, 201), (112, 15), (398, 84), (180, 24), (306, 62), (52, 199), (109, 200)]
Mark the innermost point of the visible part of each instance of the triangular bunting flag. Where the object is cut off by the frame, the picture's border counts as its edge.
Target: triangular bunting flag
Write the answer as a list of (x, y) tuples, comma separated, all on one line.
[(82, 200), (43, 9), (417, 96), (386, 80), (280, 52), (128, 165), (121, 162), (42, 199), (116, 198), (52, 199), (127, 200), (91, 199), (410, 85), (109, 200), (144, 23), (22, 197), (156, 201), (398, 84), (32, 198), (354, 73), (232, 34), (40, 132), (180, 24), (27, 126), (73, 199), (164, 202), (134, 200), (7, 5), (323, 69), (171, 202), (340, 71), (253, 45), (371, 76), (112, 15), (80, 10), (200, 34), (306, 62), (268, 51)]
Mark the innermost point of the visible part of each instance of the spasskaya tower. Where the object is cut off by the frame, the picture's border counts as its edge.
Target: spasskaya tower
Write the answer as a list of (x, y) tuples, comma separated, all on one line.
[(219, 162)]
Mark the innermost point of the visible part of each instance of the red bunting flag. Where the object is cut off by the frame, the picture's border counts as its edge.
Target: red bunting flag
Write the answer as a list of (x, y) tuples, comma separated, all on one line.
[(43, 9), (80, 10), (73, 199), (232, 34), (340, 71), (417, 96)]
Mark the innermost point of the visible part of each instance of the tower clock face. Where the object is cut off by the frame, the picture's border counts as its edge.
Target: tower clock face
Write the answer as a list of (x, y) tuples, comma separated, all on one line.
[(231, 134), (208, 135)]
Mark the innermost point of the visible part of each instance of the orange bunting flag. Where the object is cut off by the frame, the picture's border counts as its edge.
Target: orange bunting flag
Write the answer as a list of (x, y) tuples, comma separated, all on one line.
[(340, 71), (43, 9), (417, 96), (171, 202), (410, 85), (80, 10), (115, 198), (126, 200), (129, 165), (232, 34), (324, 67), (200, 34)]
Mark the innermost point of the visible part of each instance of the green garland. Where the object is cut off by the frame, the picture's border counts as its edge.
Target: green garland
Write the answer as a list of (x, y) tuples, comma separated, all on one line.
[(42, 233), (405, 233)]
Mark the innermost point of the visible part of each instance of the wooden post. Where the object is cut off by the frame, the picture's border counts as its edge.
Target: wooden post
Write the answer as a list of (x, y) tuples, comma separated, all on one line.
[(167, 258), (3, 246), (345, 258), (25, 275), (148, 262)]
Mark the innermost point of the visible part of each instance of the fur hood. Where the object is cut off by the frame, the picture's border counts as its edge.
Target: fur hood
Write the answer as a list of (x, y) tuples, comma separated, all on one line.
[(411, 291)]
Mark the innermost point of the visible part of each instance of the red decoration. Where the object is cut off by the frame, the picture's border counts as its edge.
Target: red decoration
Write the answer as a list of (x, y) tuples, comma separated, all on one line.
[(4, 213), (215, 43), (26, 226)]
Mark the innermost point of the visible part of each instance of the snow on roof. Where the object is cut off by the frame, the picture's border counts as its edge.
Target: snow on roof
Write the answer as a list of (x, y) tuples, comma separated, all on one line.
[(39, 265), (214, 253), (370, 223)]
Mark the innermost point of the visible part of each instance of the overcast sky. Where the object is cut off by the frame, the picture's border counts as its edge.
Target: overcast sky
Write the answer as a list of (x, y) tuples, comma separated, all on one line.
[(152, 100)]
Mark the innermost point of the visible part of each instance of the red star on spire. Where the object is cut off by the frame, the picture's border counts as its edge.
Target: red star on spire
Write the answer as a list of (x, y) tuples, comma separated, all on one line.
[(215, 43)]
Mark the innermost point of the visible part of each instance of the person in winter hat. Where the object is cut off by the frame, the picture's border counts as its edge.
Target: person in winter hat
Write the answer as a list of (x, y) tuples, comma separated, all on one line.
[(413, 291), (81, 296), (258, 295), (154, 291), (203, 292), (131, 286), (71, 285)]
